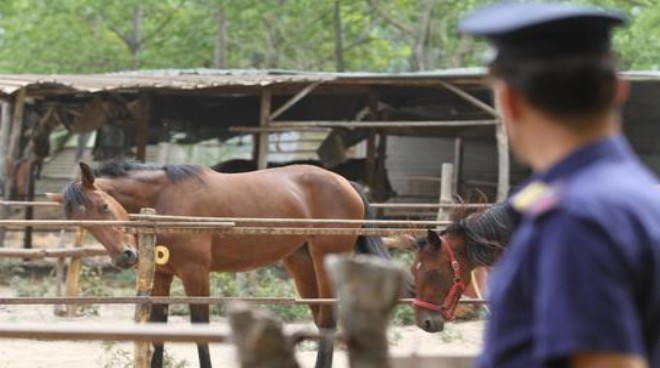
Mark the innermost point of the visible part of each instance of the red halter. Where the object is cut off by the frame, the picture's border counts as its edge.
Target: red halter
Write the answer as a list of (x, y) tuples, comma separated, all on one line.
[(457, 288)]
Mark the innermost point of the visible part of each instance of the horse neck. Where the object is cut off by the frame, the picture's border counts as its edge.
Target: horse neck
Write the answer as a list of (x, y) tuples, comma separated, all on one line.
[(132, 193)]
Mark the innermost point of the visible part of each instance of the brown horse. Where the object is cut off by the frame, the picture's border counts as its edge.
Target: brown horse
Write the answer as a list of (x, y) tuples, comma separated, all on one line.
[(187, 190), (444, 261)]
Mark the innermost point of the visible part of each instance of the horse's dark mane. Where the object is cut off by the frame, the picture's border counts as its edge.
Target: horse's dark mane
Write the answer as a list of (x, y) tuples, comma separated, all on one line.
[(486, 233), (120, 169), (73, 195)]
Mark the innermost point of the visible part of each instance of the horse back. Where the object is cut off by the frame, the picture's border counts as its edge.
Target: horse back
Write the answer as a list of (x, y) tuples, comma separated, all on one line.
[(303, 191)]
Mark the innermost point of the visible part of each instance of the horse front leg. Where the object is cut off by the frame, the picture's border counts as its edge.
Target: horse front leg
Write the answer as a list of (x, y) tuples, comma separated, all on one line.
[(197, 284), (162, 284)]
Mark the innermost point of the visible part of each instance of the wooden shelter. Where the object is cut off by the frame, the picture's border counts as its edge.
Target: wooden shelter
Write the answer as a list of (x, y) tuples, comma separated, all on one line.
[(150, 106)]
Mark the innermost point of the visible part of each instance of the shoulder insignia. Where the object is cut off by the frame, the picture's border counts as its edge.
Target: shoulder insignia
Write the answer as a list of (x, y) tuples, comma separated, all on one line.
[(536, 198)]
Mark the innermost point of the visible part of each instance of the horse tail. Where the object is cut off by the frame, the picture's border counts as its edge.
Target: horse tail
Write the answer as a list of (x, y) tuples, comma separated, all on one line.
[(369, 244), (373, 244)]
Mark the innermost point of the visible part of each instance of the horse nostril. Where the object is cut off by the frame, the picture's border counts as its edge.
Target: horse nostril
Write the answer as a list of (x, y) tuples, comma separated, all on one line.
[(130, 255), (427, 325)]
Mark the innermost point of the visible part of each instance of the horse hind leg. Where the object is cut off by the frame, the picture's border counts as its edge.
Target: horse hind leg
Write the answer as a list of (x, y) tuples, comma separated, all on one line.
[(162, 284), (196, 283), (302, 269), (326, 319)]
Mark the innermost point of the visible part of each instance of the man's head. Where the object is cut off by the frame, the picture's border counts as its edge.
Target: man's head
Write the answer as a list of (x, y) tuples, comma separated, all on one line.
[(554, 64)]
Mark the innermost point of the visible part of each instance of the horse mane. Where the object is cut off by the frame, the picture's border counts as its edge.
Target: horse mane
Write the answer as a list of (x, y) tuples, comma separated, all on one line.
[(73, 195), (486, 233), (121, 169)]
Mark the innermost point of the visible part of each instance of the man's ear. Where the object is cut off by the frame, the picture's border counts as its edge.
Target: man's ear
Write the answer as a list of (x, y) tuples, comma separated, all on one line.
[(55, 197), (86, 175), (621, 92), (508, 101)]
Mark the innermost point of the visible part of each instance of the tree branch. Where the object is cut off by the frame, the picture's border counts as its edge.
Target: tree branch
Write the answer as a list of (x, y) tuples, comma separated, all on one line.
[(386, 17)]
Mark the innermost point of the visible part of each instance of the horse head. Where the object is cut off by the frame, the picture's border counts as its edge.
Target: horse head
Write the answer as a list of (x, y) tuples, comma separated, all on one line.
[(444, 261), (83, 200)]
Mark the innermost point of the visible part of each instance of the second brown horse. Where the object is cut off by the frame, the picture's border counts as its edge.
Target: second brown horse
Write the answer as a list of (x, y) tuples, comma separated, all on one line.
[(187, 190)]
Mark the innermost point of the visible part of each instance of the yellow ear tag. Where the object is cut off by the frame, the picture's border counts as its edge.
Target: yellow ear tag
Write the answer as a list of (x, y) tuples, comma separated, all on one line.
[(162, 255)]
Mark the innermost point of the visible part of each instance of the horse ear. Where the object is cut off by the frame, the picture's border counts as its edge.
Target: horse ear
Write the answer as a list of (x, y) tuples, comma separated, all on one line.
[(86, 175), (55, 197), (433, 239)]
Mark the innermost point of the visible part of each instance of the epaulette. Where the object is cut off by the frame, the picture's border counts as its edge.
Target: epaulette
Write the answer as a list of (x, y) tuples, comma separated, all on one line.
[(536, 199)]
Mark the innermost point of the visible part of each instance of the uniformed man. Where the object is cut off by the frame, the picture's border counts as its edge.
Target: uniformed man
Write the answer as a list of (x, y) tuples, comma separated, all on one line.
[(579, 285)]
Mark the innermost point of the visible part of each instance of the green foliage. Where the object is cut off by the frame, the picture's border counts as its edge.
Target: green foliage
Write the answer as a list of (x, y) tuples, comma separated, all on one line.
[(25, 287), (82, 36), (271, 282)]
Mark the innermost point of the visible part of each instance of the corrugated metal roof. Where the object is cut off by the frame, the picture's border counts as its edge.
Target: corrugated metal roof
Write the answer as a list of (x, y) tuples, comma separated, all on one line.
[(10, 83), (191, 79), (201, 79)]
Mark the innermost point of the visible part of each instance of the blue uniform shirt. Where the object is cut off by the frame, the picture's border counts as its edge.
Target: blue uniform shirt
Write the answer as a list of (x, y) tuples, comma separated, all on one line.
[(582, 270)]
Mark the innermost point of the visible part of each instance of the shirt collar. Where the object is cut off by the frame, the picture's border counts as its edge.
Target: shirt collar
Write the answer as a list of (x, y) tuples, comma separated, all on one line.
[(612, 147)]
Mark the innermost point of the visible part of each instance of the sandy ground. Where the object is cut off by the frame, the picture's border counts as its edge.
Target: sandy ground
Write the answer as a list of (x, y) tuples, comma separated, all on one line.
[(458, 338)]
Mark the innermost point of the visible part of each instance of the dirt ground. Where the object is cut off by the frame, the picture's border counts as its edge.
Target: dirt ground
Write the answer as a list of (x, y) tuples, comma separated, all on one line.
[(458, 338), (461, 338)]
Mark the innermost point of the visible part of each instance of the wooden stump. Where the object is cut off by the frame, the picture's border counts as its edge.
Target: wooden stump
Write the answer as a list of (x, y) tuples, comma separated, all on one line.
[(145, 281), (368, 289), (259, 339)]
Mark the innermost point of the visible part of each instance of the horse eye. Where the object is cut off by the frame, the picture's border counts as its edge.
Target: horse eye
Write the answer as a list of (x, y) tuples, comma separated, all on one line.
[(104, 207)]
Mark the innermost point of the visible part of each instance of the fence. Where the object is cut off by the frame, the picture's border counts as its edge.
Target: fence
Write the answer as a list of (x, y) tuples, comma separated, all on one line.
[(146, 225), (366, 340)]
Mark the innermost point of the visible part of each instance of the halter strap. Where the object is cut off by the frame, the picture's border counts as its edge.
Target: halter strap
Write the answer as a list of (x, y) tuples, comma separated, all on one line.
[(448, 306)]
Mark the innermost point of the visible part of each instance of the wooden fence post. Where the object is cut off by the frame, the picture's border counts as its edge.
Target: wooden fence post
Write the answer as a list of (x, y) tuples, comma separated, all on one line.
[(259, 339), (446, 180), (73, 273), (145, 281), (60, 309), (368, 289)]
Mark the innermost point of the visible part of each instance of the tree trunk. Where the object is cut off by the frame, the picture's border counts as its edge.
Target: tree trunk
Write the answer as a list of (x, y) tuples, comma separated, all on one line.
[(423, 54), (136, 42), (220, 51), (339, 38)]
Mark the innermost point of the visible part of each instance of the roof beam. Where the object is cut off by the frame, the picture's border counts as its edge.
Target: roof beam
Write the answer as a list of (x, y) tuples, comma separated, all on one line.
[(471, 99), (293, 100)]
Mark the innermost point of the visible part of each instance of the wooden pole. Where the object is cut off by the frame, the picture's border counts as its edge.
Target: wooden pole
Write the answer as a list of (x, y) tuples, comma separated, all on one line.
[(262, 142), (12, 146), (59, 309), (186, 300), (142, 126), (458, 165), (259, 339), (446, 190), (502, 162), (5, 130), (381, 172), (145, 281), (73, 273), (371, 142), (368, 289), (14, 140)]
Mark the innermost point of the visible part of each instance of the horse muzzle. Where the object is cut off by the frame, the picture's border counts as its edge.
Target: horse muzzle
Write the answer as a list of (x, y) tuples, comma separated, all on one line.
[(429, 321), (127, 259)]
